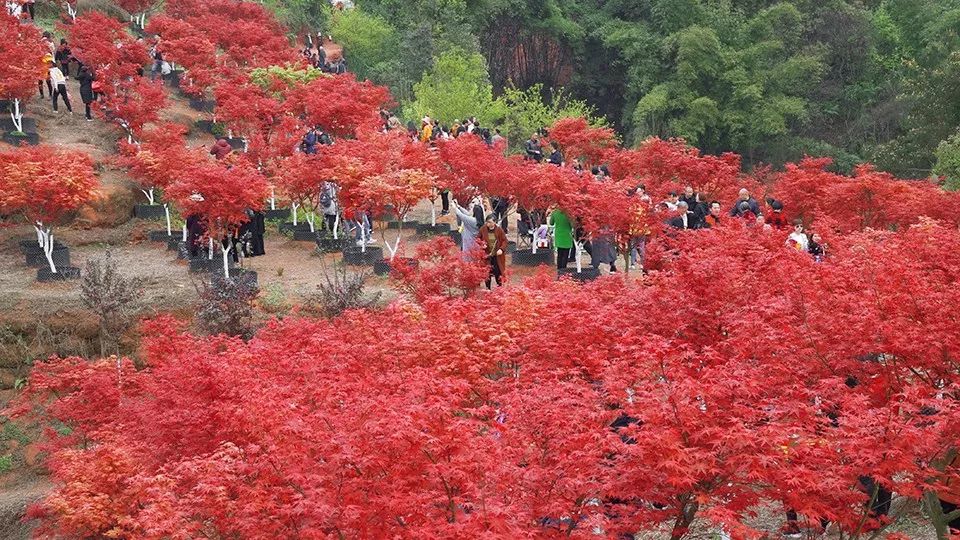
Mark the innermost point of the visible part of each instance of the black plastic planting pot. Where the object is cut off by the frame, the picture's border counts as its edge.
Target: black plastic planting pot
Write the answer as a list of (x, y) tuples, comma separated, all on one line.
[(288, 228), (354, 255), (245, 276), (279, 213), (149, 211), (301, 235), (37, 259), (44, 275), (326, 244), (526, 257), (426, 229), (31, 246), (19, 139), (162, 236), (407, 225), (585, 274), (29, 124)]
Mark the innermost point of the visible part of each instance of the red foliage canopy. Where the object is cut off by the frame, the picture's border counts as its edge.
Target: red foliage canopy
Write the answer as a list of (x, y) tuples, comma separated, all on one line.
[(159, 158), (45, 183), (190, 48), (578, 140), (220, 195), (867, 199), (463, 419), (339, 104), (21, 58), (103, 43)]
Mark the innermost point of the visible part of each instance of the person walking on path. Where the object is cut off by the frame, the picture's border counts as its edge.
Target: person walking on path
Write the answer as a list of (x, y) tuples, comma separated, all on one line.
[(87, 95), (59, 83)]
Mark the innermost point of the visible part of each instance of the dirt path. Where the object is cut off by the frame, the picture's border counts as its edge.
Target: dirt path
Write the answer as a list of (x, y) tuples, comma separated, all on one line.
[(17, 491)]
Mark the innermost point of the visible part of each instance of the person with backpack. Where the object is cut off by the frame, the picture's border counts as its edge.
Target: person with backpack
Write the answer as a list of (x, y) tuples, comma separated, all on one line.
[(328, 202)]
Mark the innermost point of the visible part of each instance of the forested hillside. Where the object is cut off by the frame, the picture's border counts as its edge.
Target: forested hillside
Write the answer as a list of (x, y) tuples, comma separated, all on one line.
[(858, 80)]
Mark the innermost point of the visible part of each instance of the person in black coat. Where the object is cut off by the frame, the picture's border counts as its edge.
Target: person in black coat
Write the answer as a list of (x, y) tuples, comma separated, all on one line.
[(685, 220), (196, 229), (87, 95), (251, 234)]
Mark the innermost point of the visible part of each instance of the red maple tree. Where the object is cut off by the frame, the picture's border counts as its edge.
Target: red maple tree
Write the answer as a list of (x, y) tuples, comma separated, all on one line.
[(22, 65), (44, 184), (696, 395), (220, 195)]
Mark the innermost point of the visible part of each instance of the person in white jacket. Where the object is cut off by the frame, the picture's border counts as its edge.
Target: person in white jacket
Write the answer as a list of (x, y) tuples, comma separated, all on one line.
[(798, 238), (59, 83)]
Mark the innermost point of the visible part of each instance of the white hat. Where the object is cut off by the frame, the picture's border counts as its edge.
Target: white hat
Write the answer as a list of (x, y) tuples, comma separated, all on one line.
[(426, 119)]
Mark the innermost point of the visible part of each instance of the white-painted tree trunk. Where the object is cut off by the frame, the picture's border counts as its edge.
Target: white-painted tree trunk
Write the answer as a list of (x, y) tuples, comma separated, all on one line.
[(579, 247), (433, 214), (48, 249), (166, 210), (293, 208), (71, 11), (39, 228), (363, 237), (184, 232), (229, 133), (226, 250), (17, 116), (336, 225), (210, 250), (273, 199), (311, 218), (150, 196)]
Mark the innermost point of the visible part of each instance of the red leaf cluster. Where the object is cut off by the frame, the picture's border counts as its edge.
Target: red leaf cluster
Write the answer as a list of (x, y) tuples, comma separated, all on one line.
[(21, 60), (219, 194), (45, 183), (739, 374)]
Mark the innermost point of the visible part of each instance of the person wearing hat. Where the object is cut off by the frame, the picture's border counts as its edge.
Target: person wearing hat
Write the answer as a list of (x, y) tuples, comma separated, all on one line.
[(59, 83), (495, 240)]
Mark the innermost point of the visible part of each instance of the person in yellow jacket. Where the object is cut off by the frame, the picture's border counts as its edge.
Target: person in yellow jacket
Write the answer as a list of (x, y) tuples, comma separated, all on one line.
[(426, 131)]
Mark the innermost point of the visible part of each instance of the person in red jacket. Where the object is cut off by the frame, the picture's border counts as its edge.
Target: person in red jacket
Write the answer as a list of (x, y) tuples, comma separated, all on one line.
[(221, 149)]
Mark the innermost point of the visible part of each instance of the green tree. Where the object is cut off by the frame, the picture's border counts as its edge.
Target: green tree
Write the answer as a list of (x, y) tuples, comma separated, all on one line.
[(527, 111), (456, 87), (369, 42), (948, 161)]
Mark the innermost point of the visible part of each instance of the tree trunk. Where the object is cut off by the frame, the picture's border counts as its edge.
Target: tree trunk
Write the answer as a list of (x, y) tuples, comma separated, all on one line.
[(48, 250), (682, 524), (17, 116), (293, 208), (273, 199), (226, 265), (210, 249), (336, 225), (166, 210)]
